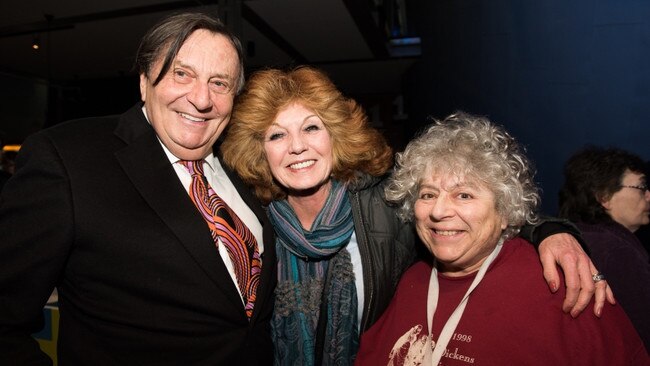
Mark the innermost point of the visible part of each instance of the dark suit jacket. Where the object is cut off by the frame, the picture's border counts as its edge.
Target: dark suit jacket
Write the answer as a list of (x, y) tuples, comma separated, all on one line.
[(96, 209)]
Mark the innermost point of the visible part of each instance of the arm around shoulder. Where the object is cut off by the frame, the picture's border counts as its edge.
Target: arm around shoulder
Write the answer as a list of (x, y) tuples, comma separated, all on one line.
[(548, 226)]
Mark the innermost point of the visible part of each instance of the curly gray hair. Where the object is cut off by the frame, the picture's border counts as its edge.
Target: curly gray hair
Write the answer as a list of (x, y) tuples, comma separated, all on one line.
[(475, 148)]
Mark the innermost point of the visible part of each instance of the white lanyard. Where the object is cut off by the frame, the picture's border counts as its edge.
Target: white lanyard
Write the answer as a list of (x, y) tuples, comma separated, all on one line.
[(454, 319)]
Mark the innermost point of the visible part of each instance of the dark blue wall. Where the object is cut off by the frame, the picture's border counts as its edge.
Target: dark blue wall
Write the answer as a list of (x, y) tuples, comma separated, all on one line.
[(558, 74)]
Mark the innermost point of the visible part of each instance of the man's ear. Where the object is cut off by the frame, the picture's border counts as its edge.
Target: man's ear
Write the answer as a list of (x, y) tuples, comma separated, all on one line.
[(143, 86)]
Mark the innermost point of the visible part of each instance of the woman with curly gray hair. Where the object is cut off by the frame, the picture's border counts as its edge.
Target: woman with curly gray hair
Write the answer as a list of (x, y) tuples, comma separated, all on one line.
[(449, 148), (468, 186)]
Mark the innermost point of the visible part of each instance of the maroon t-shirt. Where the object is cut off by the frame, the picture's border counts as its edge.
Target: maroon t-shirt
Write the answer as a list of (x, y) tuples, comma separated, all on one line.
[(511, 319)]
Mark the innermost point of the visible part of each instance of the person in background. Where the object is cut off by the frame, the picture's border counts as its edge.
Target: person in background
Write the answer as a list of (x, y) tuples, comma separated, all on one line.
[(606, 193), (311, 156), (469, 188), (105, 210), (644, 231)]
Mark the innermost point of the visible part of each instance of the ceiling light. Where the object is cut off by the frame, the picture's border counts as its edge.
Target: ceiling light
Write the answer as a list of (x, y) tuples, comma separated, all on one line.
[(36, 43)]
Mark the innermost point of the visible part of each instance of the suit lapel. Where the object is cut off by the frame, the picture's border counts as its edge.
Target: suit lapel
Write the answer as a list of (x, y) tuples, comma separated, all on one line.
[(148, 168)]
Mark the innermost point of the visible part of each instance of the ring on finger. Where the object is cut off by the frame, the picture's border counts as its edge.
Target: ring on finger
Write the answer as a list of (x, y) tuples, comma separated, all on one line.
[(598, 277)]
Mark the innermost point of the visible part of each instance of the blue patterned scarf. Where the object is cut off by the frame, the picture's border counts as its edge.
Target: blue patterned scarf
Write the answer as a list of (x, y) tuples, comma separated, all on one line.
[(304, 257)]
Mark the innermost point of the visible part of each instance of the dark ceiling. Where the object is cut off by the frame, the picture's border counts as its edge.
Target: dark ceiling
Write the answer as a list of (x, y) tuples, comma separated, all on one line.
[(90, 39)]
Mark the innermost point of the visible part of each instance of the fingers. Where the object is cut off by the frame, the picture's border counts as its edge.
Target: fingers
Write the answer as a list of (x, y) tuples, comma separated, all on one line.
[(578, 270), (560, 249), (574, 296), (603, 293), (578, 292), (600, 288), (610, 295), (600, 296), (587, 289), (551, 273)]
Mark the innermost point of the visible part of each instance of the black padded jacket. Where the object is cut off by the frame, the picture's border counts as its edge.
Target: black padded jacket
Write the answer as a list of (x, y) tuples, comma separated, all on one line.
[(386, 245)]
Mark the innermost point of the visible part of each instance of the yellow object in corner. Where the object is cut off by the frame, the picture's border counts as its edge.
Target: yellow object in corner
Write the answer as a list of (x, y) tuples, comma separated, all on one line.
[(49, 335)]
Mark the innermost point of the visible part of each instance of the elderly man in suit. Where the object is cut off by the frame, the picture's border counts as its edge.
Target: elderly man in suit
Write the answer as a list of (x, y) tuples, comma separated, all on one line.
[(159, 253)]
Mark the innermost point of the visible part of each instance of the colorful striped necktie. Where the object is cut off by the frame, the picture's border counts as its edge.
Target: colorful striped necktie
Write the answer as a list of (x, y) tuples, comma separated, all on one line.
[(224, 224)]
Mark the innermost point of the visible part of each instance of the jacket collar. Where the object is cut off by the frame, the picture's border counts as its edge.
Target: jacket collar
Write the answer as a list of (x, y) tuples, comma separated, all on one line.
[(146, 165)]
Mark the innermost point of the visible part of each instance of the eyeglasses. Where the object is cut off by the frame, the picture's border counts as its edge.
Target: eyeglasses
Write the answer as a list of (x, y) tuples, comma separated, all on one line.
[(643, 187)]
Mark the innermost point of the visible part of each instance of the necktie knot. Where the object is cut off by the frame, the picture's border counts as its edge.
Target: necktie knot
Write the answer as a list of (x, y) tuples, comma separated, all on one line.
[(194, 167)]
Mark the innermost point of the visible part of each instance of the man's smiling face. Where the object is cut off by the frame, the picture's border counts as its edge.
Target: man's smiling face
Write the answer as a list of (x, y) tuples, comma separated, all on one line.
[(192, 104)]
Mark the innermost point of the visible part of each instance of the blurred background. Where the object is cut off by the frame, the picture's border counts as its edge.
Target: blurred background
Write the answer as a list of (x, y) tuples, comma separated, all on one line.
[(557, 74)]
